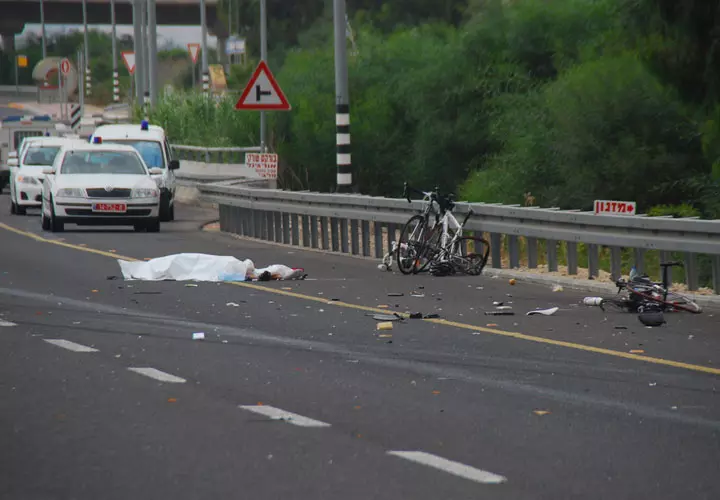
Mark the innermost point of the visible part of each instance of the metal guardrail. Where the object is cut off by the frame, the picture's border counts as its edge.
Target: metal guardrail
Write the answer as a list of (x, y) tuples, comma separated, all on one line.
[(213, 155), (350, 223)]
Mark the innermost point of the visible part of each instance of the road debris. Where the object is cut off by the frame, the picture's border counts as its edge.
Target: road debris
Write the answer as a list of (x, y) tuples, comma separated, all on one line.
[(541, 412), (544, 312), (387, 325), (387, 317), (232, 304), (653, 318), (499, 313), (637, 351), (497, 303), (198, 336), (432, 316), (395, 294), (593, 301), (504, 308), (191, 285), (512, 281), (557, 288)]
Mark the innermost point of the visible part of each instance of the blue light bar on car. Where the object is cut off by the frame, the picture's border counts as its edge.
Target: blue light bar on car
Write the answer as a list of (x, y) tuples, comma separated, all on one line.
[(97, 140), (144, 125)]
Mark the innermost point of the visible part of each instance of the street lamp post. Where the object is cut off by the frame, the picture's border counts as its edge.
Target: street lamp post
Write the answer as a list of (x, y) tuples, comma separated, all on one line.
[(342, 99), (42, 24), (263, 57), (203, 49)]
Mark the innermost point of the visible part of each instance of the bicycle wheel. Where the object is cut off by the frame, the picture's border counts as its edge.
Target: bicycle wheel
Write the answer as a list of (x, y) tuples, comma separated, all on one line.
[(429, 250), (470, 255), (410, 243), (673, 300)]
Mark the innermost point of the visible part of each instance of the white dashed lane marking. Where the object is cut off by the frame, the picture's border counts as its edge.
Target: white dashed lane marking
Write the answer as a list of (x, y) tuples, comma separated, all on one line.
[(285, 416), (158, 375), (70, 346), (455, 468)]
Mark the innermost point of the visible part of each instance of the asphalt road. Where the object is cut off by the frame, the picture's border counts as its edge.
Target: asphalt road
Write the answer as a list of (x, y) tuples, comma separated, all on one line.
[(532, 408)]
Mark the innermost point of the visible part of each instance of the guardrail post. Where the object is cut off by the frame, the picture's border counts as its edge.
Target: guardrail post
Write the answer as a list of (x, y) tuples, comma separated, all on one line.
[(258, 227), (222, 213), (593, 261), (238, 213), (354, 240), (229, 219), (532, 252), (496, 250), (615, 263), (365, 236), (295, 229), (514, 250), (306, 230), (716, 273), (278, 227), (324, 233), (391, 229), (249, 222), (269, 225), (665, 257), (334, 234), (314, 231), (344, 235), (286, 228), (640, 259), (572, 258), (691, 275), (552, 259), (378, 233)]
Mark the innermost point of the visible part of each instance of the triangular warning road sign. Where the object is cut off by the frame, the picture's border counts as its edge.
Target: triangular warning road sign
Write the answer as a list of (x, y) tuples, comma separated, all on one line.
[(194, 49), (262, 92), (129, 58)]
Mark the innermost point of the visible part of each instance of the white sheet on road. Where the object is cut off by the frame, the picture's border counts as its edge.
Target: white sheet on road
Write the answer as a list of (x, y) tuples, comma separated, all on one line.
[(201, 267)]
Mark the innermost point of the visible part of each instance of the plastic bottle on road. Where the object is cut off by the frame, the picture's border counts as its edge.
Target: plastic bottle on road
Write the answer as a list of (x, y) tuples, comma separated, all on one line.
[(592, 301)]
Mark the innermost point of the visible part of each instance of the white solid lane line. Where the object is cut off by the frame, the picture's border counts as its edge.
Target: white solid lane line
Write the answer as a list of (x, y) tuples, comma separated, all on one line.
[(456, 468), (6, 323), (286, 416), (158, 375), (70, 346)]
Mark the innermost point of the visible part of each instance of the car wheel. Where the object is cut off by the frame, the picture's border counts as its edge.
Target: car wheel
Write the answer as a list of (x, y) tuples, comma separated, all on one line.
[(164, 208), (172, 212), (56, 226), (139, 227), (13, 207), (20, 210), (153, 226)]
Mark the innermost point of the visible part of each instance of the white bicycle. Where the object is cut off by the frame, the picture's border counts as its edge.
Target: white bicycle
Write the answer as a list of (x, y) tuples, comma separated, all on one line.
[(438, 242)]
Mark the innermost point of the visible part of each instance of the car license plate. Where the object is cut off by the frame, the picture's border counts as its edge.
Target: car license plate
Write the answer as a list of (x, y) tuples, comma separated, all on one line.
[(109, 207)]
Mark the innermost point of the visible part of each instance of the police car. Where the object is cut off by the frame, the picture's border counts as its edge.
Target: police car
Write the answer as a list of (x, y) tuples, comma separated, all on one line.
[(13, 129), (35, 155), (151, 142), (100, 184)]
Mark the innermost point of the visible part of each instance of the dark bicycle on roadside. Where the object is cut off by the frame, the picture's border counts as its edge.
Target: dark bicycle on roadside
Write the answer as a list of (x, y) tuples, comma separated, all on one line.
[(640, 294)]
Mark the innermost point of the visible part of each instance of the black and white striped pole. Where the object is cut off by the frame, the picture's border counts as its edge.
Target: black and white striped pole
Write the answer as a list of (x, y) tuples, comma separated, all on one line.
[(342, 100), (88, 77), (115, 74), (203, 49)]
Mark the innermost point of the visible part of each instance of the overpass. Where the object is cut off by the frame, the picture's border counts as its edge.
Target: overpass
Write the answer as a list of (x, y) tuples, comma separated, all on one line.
[(17, 13)]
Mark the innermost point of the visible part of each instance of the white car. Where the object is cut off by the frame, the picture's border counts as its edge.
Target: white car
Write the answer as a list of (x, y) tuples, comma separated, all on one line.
[(100, 184), (35, 155), (153, 146)]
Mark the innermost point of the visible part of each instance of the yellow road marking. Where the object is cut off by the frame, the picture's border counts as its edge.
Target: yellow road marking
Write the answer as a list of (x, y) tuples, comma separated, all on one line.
[(445, 322), (63, 244)]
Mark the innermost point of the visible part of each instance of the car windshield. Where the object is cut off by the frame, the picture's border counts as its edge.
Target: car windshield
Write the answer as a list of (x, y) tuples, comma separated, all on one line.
[(43, 156), (151, 151), (102, 162)]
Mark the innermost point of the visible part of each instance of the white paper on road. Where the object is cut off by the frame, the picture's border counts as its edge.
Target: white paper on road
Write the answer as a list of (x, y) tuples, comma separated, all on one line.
[(202, 267)]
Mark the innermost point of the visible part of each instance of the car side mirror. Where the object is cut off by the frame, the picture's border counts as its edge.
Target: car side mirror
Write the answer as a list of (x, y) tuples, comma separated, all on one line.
[(174, 164), (156, 171), (49, 171)]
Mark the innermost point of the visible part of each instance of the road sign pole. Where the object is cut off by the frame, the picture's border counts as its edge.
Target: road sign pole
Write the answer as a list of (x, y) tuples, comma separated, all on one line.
[(342, 99), (86, 58), (139, 51), (116, 75), (42, 27), (152, 51), (263, 57), (203, 48)]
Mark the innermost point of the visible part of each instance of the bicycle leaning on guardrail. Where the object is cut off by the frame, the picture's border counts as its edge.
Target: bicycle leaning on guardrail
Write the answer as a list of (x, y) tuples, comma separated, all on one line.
[(644, 295), (434, 239)]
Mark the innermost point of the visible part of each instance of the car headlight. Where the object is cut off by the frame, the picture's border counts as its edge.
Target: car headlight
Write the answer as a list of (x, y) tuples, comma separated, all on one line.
[(24, 179), (145, 193), (70, 193)]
